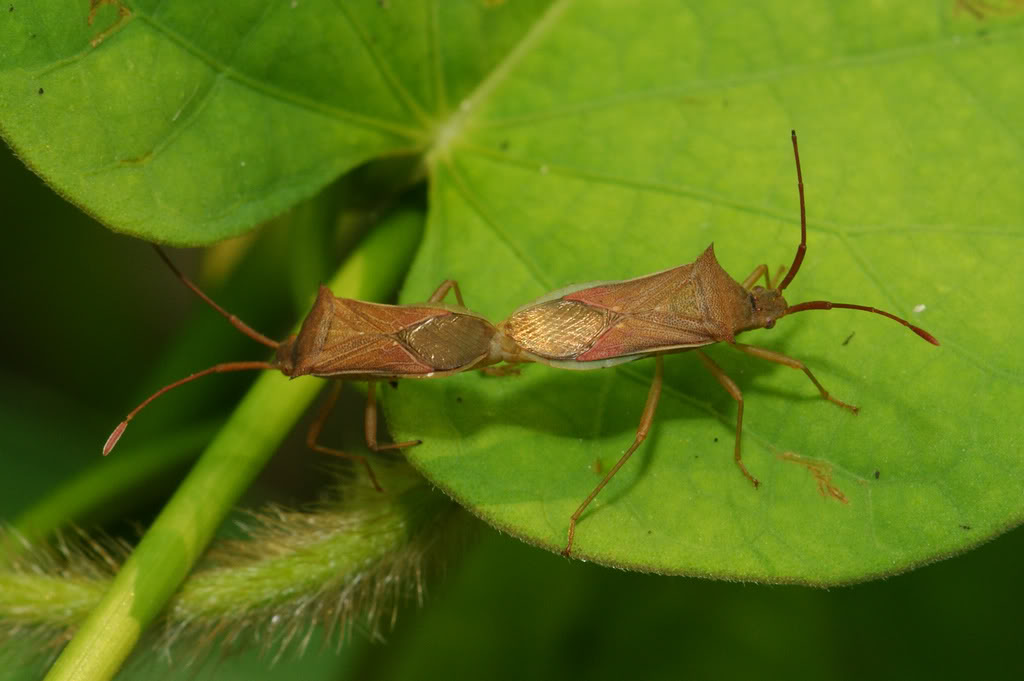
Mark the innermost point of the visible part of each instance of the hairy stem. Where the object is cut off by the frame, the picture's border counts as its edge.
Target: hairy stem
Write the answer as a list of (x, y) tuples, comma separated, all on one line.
[(353, 561)]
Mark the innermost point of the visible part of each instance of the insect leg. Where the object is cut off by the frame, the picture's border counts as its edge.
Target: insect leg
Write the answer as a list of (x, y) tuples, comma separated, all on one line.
[(370, 423), (762, 271), (314, 433), (779, 358), (759, 271), (641, 434), (443, 289), (774, 281), (734, 392)]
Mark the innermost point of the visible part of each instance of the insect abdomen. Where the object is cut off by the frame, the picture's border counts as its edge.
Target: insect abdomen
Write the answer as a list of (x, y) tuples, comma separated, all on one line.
[(454, 341), (557, 329)]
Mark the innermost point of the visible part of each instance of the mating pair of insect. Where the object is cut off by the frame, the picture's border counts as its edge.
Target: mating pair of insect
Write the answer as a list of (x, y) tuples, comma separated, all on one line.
[(588, 326)]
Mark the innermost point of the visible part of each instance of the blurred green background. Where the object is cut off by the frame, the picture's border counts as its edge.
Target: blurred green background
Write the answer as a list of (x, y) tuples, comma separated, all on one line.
[(504, 610)]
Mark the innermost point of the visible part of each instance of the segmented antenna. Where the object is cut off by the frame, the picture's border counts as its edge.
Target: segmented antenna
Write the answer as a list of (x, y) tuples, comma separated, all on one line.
[(826, 305), (802, 248), (215, 369), (798, 259), (235, 321)]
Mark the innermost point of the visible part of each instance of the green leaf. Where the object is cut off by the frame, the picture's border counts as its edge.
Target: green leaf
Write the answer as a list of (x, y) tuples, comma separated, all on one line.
[(187, 124), (574, 141), (608, 145)]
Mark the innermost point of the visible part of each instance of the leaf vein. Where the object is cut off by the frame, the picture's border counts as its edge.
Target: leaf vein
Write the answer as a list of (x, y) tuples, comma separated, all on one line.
[(641, 185), (436, 60), (395, 85), (277, 93), (462, 184), (699, 87)]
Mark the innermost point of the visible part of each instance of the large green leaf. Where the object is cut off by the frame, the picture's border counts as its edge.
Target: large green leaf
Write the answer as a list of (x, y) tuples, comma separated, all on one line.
[(613, 142), (574, 141), (190, 122)]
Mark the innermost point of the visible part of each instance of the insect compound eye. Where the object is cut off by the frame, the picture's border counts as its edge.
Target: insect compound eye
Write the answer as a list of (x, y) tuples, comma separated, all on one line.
[(770, 324)]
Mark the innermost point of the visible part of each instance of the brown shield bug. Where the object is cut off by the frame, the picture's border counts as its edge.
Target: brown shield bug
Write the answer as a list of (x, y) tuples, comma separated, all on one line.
[(350, 339), (596, 325)]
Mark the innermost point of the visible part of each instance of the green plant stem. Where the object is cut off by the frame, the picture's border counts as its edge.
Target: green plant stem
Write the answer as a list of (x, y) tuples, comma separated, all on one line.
[(350, 563), (183, 529)]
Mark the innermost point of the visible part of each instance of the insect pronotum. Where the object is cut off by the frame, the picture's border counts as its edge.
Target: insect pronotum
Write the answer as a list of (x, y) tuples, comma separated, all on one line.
[(354, 340), (596, 325)]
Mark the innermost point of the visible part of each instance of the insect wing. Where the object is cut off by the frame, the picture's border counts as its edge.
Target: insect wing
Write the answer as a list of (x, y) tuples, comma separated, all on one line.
[(449, 343), (657, 312), (558, 329), (349, 337)]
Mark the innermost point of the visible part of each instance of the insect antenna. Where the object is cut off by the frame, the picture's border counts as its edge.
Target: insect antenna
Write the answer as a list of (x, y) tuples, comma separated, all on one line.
[(802, 248), (235, 321), (215, 369), (826, 305)]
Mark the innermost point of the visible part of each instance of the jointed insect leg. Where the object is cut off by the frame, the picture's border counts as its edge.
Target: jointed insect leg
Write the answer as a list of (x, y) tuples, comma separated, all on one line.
[(317, 425), (370, 423), (779, 358), (759, 271), (641, 434), (762, 271), (443, 289), (734, 391)]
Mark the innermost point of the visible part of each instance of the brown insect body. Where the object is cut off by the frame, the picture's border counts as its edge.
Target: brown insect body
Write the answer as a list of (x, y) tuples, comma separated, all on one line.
[(587, 326), (674, 310), (350, 339), (342, 337), (596, 325)]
